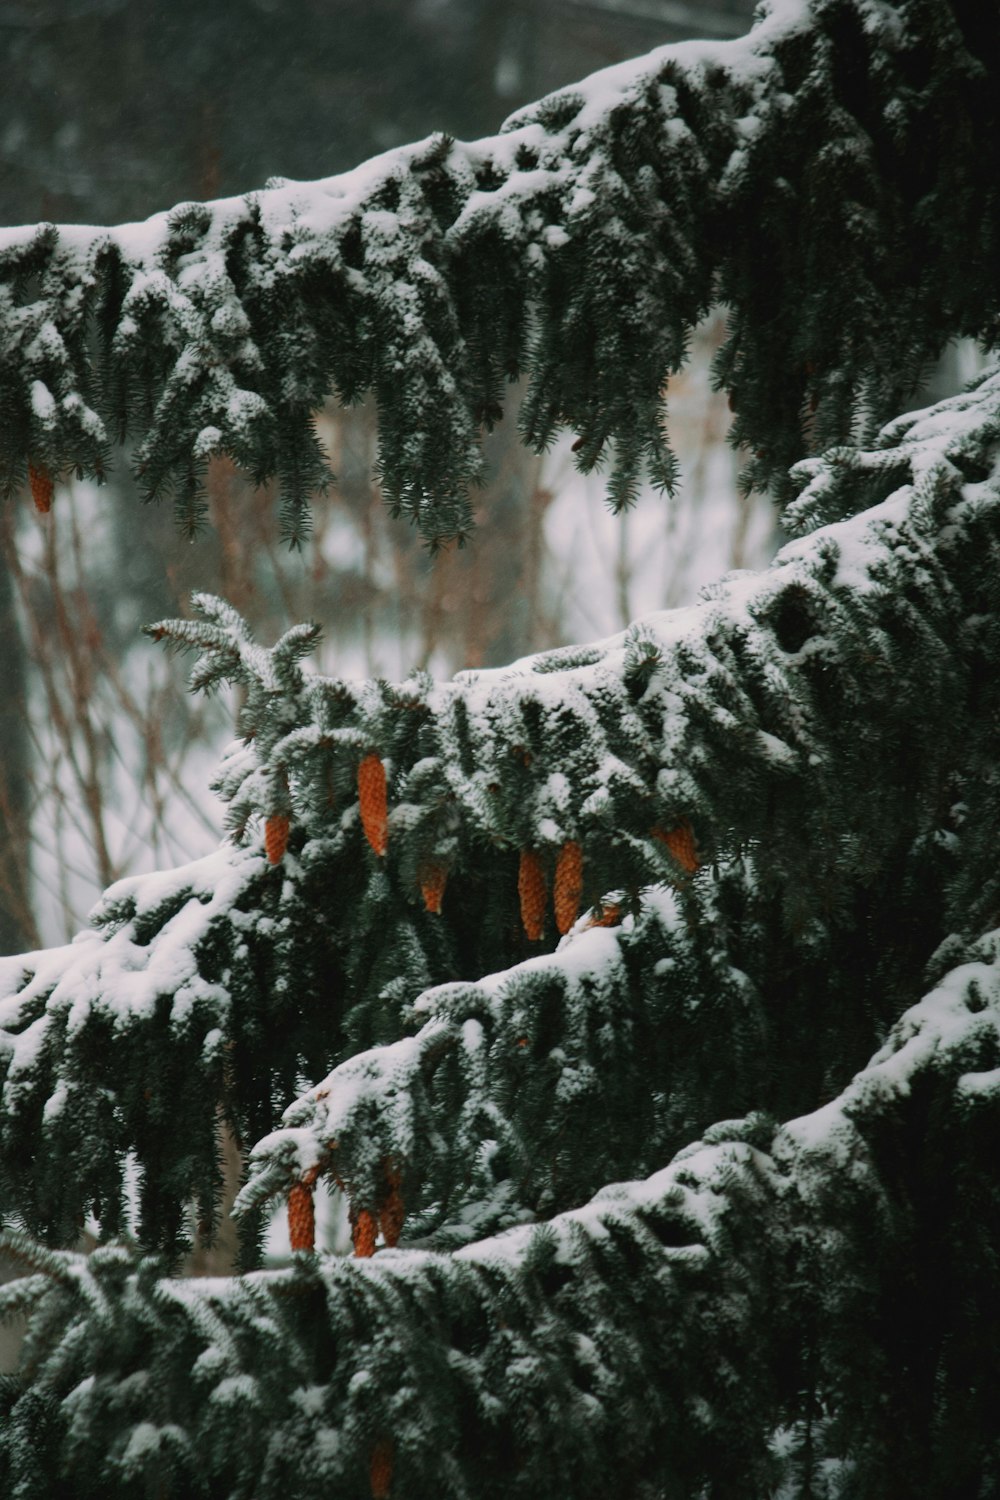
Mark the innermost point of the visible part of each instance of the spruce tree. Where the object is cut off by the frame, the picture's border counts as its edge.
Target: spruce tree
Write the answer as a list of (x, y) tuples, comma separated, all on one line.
[(642, 998)]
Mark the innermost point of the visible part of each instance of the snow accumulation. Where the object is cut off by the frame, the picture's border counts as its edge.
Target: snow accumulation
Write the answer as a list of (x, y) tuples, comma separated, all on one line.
[(385, 1084), (927, 445), (946, 1024), (115, 974), (122, 977), (379, 1095), (308, 210)]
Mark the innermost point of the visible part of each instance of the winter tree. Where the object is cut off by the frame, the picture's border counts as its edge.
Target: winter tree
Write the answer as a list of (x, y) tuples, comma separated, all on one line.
[(641, 999)]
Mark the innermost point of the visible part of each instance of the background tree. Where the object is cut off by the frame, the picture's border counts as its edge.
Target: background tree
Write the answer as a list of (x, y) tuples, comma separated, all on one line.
[(764, 829)]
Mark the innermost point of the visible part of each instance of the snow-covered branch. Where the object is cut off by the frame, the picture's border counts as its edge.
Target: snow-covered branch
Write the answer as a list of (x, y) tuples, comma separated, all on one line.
[(580, 245), (780, 729), (757, 713), (753, 1227)]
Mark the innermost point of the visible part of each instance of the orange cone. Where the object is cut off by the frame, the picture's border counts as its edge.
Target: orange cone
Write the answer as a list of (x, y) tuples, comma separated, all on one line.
[(42, 489), (276, 837), (680, 842), (392, 1212), (301, 1218), (531, 890), (569, 885), (374, 803), (607, 916), (363, 1234), (380, 1472), (433, 880)]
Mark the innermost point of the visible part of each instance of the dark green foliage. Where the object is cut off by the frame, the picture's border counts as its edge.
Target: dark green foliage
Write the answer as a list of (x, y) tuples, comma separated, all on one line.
[(755, 989), (794, 175), (207, 996), (772, 1303), (759, 714), (803, 1310)]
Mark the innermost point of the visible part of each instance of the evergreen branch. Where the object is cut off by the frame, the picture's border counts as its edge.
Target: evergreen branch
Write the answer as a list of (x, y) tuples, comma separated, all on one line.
[(18, 1297), (102, 1040), (747, 728), (460, 1361), (20, 1248), (581, 245), (506, 1105), (228, 650), (756, 715), (791, 791)]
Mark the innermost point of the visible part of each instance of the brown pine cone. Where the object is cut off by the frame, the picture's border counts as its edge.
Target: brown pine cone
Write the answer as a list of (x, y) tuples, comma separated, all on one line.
[(374, 803), (380, 1472), (606, 916), (392, 1212), (531, 890), (276, 837), (433, 879), (680, 842), (42, 489), (301, 1218), (364, 1233), (569, 885)]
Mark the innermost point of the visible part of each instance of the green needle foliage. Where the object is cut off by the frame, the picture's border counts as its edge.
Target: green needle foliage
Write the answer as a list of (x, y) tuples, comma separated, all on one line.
[(680, 1175), (815, 176)]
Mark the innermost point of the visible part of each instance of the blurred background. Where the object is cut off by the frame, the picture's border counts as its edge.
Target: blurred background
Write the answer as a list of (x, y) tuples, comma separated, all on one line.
[(115, 109)]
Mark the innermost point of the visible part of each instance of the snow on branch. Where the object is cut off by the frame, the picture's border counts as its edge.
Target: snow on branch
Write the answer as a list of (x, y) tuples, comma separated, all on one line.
[(710, 688), (807, 728), (757, 714), (581, 245), (122, 1052), (101, 1039), (752, 1228), (471, 1114)]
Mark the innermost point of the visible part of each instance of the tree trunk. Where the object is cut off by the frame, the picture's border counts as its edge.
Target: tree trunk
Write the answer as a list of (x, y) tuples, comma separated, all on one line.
[(18, 931)]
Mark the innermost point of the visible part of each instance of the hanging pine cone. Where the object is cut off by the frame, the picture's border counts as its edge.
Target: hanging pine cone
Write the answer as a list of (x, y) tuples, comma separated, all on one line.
[(680, 842), (301, 1218), (433, 879), (374, 803), (42, 489), (276, 837), (392, 1212), (531, 890), (569, 885), (380, 1472), (363, 1234)]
